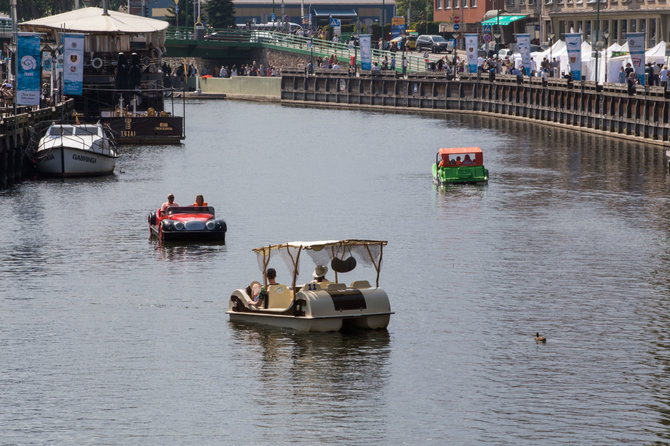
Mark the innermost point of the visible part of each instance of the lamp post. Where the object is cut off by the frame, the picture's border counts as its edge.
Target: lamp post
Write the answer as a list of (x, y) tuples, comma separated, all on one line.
[(497, 33), (551, 36), (606, 35), (597, 38)]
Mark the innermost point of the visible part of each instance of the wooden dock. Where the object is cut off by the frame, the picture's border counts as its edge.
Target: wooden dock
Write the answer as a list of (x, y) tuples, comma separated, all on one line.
[(16, 132)]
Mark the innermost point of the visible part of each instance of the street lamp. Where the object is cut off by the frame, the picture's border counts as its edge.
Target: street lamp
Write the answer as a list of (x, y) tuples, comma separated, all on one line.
[(606, 35), (551, 36), (597, 38)]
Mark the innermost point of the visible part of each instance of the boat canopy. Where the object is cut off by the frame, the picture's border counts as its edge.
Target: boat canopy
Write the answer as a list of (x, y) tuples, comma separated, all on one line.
[(92, 20), (460, 150), (323, 252)]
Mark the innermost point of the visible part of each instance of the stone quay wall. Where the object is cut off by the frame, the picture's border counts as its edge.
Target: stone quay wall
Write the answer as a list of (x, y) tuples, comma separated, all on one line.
[(609, 110)]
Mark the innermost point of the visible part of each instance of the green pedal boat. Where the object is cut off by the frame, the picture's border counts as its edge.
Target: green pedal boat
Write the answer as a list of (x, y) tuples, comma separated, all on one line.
[(460, 165)]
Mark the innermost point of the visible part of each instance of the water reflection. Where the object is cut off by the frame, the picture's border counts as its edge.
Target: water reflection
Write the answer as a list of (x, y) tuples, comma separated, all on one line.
[(181, 251), (329, 380)]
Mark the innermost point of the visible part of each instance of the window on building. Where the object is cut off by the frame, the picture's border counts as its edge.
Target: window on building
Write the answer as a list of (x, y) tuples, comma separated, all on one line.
[(473, 3), (456, 4), (438, 4), (509, 3), (447, 4), (465, 3), (633, 26)]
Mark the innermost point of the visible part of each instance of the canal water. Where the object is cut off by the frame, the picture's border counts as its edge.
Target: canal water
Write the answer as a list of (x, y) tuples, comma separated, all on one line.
[(110, 338)]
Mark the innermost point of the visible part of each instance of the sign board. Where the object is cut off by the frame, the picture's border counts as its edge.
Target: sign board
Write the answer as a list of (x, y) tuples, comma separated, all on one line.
[(457, 26), (397, 21), (335, 22), (487, 37), (457, 20), (487, 28)]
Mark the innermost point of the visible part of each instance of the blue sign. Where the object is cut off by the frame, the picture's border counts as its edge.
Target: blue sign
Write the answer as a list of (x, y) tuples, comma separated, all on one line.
[(335, 22), (487, 28), (28, 70), (365, 43), (457, 26)]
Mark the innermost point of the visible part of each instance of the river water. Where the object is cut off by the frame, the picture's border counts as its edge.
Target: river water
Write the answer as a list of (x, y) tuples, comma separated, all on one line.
[(109, 338)]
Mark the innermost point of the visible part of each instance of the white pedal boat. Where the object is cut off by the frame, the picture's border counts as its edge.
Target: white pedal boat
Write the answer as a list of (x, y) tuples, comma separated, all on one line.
[(325, 306)]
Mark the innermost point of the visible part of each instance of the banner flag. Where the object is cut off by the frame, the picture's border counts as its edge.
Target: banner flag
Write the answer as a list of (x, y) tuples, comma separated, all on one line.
[(523, 42), (73, 61), (471, 41), (573, 42), (636, 48), (28, 72), (365, 41)]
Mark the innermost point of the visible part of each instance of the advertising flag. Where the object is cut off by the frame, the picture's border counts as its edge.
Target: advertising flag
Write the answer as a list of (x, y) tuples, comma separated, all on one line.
[(471, 41), (73, 64), (28, 69), (365, 41), (573, 42), (523, 42), (636, 48)]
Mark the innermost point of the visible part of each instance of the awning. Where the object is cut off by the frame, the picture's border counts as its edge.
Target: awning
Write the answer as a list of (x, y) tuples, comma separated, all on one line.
[(334, 13), (504, 19)]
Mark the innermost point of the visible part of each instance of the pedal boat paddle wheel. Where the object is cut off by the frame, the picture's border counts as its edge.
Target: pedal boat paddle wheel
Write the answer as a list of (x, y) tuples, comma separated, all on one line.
[(324, 306)]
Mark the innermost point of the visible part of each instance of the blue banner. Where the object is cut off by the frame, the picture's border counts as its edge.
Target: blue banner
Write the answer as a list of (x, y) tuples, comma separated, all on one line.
[(636, 48), (73, 64), (523, 43), (471, 42), (573, 42), (28, 69), (366, 51)]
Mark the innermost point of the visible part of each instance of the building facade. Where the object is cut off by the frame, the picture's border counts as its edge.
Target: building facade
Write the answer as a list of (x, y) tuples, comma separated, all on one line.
[(319, 11)]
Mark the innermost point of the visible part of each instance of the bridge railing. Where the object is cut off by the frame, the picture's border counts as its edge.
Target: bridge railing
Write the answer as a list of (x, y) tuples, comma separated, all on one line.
[(304, 45)]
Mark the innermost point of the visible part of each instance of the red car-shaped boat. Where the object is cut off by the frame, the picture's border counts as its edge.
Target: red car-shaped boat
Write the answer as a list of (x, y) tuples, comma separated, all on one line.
[(187, 223)]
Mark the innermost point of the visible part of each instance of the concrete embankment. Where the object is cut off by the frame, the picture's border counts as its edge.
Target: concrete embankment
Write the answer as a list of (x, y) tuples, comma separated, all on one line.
[(266, 89), (643, 116)]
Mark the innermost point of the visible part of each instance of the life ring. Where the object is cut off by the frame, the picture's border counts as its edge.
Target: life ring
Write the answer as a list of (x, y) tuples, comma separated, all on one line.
[(97, 63)]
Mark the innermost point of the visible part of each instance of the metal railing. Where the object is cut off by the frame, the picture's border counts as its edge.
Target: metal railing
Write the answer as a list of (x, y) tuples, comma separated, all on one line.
[(307, 46)]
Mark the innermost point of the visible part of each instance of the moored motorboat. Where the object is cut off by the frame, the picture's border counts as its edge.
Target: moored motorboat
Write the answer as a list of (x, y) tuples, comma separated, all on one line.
[(70, 150), (317, 306), (460, 165)]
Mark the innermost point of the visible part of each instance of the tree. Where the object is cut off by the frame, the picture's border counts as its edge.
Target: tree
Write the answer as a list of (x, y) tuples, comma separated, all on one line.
[(417, 7), (220, 13), (172, 20)]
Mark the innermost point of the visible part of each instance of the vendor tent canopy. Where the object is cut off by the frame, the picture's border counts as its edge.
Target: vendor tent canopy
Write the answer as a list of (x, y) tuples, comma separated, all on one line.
[(504, 19), (92, 20), (334, 13)]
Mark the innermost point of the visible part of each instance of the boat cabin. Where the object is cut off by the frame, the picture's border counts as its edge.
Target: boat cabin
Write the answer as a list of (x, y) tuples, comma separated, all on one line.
[(460, 156)]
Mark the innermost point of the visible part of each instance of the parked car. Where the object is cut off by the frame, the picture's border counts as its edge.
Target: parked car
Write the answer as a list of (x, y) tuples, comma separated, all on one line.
[(434, 43)]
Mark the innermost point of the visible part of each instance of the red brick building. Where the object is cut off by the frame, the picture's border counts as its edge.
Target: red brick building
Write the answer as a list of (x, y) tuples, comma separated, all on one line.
[(471, 12)]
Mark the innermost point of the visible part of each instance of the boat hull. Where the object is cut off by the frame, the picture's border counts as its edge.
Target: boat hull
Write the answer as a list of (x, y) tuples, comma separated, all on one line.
[(71, 162), (188, 236), (323, 310), (460, 175), (146, 129)]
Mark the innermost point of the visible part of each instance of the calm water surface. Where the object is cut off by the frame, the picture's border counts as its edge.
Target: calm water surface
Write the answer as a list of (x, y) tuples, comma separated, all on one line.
[(109, 338)]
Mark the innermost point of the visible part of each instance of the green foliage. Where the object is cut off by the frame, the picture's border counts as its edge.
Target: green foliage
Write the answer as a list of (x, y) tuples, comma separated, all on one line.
[(220, 13), (419, 8), (34, 9), (172, 19), (432, 27)]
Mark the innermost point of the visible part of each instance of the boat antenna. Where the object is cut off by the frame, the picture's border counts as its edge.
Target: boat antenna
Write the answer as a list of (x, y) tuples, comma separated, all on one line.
[(105, 7)]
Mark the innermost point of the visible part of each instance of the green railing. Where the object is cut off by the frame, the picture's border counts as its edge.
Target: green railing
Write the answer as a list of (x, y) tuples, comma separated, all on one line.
[(307, 46)]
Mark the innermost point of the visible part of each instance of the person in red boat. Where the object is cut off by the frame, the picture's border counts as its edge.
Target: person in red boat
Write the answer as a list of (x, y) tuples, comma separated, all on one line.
[(168, 204), (199, 201)]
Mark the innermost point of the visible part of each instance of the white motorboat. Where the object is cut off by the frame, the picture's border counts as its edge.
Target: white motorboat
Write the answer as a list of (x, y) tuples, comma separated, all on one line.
[(76, 150), (317, 306)]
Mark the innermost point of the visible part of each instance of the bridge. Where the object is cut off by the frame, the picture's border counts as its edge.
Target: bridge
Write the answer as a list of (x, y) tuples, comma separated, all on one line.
[(236, 44)]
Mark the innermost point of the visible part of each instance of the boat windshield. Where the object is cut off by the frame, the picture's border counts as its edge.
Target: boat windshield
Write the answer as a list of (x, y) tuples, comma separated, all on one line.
[(190, 210), (86, 130), (60, 131)]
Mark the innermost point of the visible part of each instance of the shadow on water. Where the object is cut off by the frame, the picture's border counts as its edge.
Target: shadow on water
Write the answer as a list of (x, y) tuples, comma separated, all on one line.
[(181, 251)]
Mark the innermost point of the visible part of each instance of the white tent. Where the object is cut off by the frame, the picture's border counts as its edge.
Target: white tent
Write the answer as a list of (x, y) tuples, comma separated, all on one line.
[(92, 20)]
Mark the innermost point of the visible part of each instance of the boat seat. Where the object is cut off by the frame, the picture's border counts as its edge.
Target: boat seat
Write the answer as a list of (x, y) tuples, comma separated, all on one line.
[(360, 284), (335, 286), (279, 296)]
